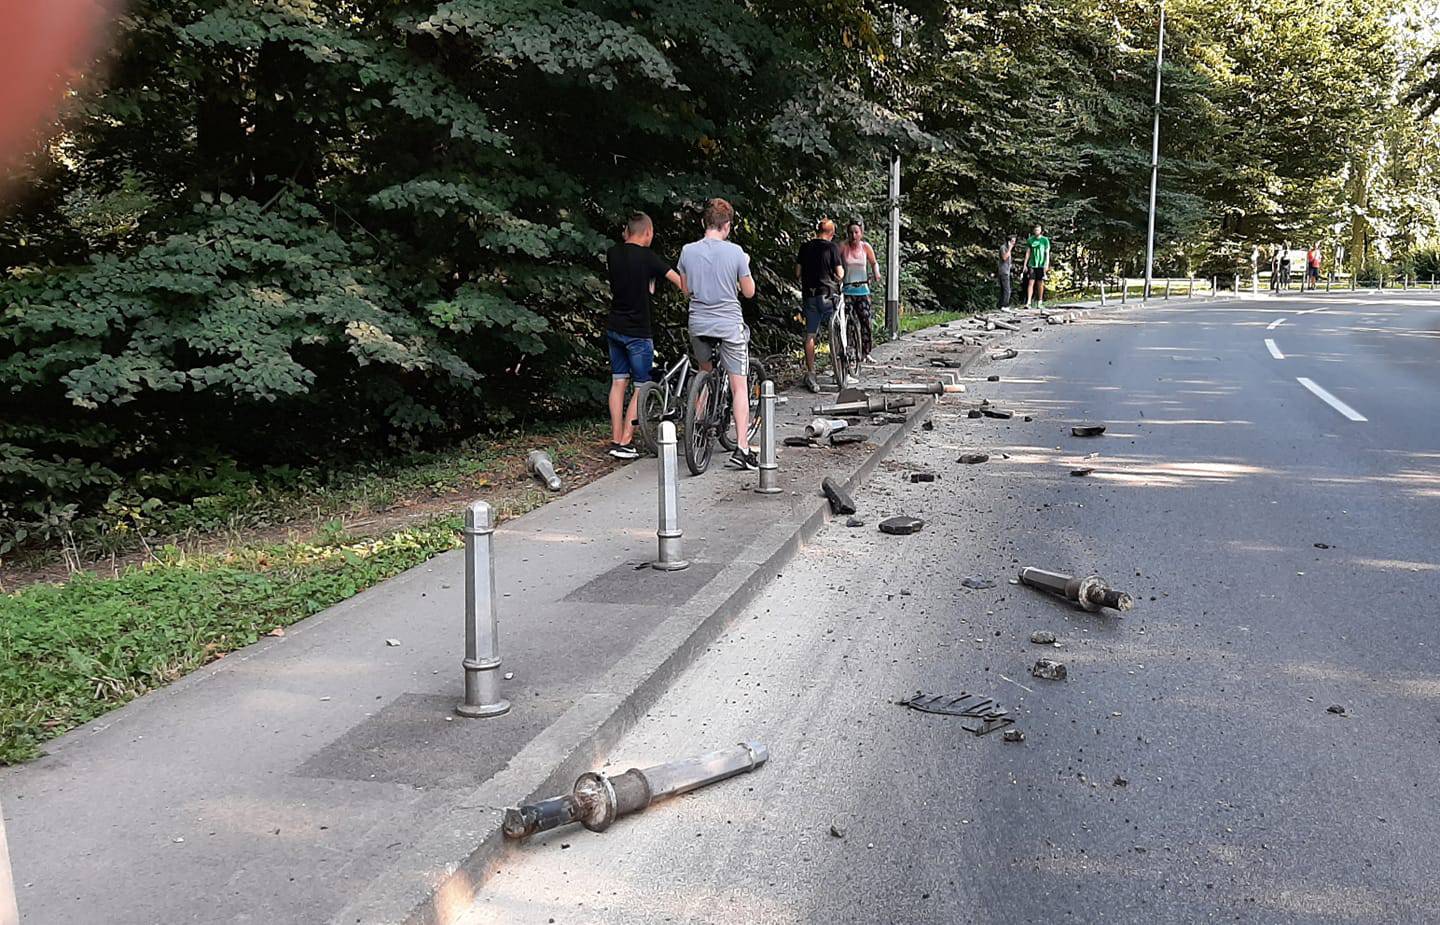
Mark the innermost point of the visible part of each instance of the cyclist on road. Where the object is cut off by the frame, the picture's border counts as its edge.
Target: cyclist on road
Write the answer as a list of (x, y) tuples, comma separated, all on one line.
[(861, 268), (819, 267), (716, 274), (633, 270), (1037, 266)]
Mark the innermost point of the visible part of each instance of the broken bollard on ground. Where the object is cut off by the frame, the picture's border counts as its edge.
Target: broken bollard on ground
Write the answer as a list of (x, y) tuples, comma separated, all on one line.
[(539, 464), (820, 428), (840, 500), (1009, 353), (1090, 593), (922, 388), (1049, 670), (597, 800)]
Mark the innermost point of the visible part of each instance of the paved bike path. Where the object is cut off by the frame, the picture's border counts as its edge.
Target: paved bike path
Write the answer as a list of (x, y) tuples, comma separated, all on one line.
[(323, 776)]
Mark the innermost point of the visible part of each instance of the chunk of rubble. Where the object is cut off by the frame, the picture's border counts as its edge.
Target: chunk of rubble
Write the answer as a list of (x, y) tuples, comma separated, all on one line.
[(1049, 669), (1042, 638), (971, 459), (901, 526)]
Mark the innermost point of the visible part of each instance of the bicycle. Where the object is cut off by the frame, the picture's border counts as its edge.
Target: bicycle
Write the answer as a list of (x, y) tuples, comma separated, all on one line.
[(847, 344), (708, 411), (661, 401)]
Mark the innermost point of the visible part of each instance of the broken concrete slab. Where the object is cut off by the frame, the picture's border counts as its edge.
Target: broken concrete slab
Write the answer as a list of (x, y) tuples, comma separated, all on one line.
[(840, 500), (971, 459), (1042, 638), (997, 413), (923, 477), (901, 526), (1049, 669), (974, 413), (1083, 470), (975, 583), (1087, 430), (849, 438), (1013, 735)]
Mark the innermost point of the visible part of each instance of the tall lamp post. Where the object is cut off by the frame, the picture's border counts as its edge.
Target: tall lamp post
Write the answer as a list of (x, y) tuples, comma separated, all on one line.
[(1154, 158), (892, 268)]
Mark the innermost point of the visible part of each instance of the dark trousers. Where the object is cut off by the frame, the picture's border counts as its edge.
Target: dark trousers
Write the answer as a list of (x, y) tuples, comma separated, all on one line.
[(1004, 288)]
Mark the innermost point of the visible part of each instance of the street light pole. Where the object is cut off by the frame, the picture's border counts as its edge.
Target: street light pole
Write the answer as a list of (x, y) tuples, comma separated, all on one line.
[(1154, 157), (892, 268)]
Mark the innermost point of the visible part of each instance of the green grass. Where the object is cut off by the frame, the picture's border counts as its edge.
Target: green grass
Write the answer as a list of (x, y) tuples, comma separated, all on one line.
[(918, 322), (72, 652)]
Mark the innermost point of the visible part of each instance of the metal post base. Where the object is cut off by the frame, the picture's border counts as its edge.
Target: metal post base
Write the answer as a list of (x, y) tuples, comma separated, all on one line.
[(483, 710)]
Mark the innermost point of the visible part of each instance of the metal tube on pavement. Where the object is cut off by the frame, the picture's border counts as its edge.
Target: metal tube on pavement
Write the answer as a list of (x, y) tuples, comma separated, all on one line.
[(768, 465), (669, 534), (1090, 593), (597, 800), (539, 464), (482, 625)]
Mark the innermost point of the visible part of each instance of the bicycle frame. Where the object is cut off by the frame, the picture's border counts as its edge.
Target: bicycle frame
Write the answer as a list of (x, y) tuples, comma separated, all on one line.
[(672, 386)]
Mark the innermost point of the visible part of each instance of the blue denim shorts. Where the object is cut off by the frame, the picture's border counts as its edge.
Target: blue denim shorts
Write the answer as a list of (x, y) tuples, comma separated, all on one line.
[(630, 357), (818, 309)]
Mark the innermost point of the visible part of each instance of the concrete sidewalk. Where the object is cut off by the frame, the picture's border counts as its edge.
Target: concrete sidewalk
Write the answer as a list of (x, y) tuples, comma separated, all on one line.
[(324, 776)]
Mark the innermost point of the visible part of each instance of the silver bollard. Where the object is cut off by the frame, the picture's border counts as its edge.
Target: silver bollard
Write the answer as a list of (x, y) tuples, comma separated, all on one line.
[(1167, 288), (768, 466), (1102, 291), (669, 534), (1235, 285), (539, 464), (1190, 287), (482, 626), (1124, 290), (1329, 278)]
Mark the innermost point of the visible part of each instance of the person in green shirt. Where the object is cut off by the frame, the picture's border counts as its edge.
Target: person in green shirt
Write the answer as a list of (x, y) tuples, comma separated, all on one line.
[(1037, 266)]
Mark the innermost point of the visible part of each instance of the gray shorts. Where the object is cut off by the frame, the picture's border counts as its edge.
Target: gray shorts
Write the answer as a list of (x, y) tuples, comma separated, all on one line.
[(734, 353)]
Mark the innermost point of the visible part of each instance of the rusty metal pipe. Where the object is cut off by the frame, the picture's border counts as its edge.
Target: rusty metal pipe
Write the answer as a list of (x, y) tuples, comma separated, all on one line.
[(1090, 593), (597, 800)]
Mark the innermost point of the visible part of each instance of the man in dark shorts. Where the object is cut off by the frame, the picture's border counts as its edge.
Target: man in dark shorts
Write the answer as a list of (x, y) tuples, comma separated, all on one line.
[(1037, 266), (633, 269), (1312, 267), (819, 267)]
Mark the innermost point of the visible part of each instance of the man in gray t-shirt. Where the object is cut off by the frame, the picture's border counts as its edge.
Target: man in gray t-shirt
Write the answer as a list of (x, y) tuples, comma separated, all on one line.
[(716, 273)]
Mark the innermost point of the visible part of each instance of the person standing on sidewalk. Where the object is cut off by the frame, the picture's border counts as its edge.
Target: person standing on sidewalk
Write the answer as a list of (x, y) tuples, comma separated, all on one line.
[(1285, 266), (819, 266), (633, 269), (716, 274), (1037, 266), (861, 268), (1312, 266), (1007, 249)]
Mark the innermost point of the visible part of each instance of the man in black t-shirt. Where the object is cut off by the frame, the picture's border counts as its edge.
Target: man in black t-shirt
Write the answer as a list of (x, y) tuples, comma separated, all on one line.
[(633, 269), (820, 268)]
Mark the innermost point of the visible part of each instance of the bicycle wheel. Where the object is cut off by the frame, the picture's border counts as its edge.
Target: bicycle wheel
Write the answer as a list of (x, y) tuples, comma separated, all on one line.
[(855, 340), (699, 401), (839, 355), (754, 379), (650, 411)]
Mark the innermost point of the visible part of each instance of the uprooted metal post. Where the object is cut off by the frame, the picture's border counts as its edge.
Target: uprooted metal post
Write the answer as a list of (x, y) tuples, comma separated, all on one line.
[(866, 406), (1090, 593), (538, 464), (668, 533), (482, 625), (598, 800), (768, 465)]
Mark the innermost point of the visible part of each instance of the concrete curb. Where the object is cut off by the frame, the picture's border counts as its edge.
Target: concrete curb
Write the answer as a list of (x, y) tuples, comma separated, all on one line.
[(441, 874)]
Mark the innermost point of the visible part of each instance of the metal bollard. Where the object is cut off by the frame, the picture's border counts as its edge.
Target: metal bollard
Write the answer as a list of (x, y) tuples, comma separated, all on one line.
[(1167, 288), (1214, 286), (539, 464), (1124, 290), (667, 467), (1329, 278), (768, 466), (1089, 593), (482, 642), (1102, 290), (1190, 287), (1235, 285)]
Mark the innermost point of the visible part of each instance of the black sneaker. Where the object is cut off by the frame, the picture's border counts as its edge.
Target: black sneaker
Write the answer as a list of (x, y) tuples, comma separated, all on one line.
[(742, 459), (624, 451)]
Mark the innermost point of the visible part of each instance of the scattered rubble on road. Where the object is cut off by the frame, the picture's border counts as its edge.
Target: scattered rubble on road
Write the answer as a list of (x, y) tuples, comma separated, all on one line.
[(1014, 735), (1083, 470), (1089, 593), (836, 831), (923, 476), (1042, 638), (975, 583), (978, 714), (1087, 430), (855, 522), (901, 526), (597, 800), (971, 459), (1049, 669), (392, 642), (800, 441), (1337, 709), (848, 439), (974, 413), (840, 500), (993, 377)]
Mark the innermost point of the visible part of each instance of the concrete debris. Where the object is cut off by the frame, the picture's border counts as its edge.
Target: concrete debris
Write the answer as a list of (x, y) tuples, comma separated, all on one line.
[(1005, 325), (848, 438), (923, 477), (1087, 430), (538, 464), (1083, 470), (851, 394), (1042, 638), (971, 459), (978, 714), (1049, 670), (820, 428), (855, 522), (1014, 735), (901, 526), (1027, 419), (943, 363), (1120, 781), (1090, 593), (840, 500), (1322, 545), (976, 584), (392, 642), (1335, 708), (992, 378), (974, 413), (928, 425), (997, 413), (1009, 353), (800, 441), (597, 800), (836, 831), (880, 420)]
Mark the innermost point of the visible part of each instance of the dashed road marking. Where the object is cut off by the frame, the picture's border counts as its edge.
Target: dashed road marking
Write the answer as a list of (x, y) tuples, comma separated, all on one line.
[(1274, 324), (1331, 400), (1274, 350)]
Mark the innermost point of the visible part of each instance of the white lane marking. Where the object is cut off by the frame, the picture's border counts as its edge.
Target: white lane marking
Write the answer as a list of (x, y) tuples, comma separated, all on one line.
[(1274, 324), (1331, 400), (1274, 350)]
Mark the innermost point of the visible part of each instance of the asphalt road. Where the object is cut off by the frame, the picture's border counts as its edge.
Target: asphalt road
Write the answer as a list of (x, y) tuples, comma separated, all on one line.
[(1188, 769)]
